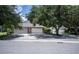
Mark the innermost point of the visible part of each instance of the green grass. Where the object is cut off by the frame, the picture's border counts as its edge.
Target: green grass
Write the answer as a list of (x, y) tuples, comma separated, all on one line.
[(3, 34)]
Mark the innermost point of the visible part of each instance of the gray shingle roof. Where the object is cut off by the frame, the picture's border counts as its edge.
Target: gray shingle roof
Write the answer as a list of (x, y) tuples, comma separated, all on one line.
[(28, 24)]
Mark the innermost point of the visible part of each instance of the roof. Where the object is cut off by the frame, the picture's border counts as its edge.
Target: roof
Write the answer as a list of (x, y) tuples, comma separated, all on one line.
[(28, 24)]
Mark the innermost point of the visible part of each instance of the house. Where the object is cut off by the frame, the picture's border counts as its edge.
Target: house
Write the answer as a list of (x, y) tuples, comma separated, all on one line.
[(61, 30), (29, 28)]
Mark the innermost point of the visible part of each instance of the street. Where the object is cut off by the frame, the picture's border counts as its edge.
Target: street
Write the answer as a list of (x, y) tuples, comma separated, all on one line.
[(31, 45), (21, 47)]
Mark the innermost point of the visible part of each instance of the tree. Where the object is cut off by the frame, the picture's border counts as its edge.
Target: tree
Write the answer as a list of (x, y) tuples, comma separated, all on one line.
[(56, 16), (49, 16), (72, 20), (9, 19), (32, 17)]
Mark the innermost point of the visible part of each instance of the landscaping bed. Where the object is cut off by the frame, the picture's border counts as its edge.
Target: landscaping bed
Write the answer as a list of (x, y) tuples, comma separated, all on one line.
[(3, 35)]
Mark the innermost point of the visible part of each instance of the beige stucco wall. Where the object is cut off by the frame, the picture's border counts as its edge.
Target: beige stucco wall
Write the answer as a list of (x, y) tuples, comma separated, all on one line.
[(24, 30)]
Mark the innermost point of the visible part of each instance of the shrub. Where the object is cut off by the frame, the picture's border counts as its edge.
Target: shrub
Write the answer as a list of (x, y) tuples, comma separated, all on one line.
[(72, 31), (46, 30), (3, 34)]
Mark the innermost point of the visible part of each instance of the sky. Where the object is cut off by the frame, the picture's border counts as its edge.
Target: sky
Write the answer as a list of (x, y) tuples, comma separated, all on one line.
[(23, 9)]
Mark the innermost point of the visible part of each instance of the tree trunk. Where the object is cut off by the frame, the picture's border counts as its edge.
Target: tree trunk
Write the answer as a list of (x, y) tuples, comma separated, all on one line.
[(76, 32), (57, 31)]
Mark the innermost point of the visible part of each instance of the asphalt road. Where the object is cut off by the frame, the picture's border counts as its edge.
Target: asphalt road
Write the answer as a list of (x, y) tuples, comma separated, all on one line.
[(25, 47)]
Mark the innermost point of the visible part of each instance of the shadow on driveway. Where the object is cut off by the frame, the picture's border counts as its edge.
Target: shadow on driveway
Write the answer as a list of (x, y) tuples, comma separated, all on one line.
[(41, 36), (47, 36), (11, 37)]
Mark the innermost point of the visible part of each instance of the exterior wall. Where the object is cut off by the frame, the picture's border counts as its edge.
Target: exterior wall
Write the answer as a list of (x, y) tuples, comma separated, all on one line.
[(23, 31), (61, 31), (35, 30)]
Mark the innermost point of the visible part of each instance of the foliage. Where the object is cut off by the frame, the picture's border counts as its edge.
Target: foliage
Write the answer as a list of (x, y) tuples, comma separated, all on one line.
[(56, 16), (49, 16), (72, 20), (9, 18), (3, 34), (46, 30)]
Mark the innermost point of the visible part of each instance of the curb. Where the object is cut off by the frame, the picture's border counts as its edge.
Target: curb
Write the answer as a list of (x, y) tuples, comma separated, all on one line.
[(53, 41)]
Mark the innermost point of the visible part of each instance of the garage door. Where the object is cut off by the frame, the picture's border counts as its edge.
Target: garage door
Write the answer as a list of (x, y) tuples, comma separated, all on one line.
[(23, 31), (37, 30)]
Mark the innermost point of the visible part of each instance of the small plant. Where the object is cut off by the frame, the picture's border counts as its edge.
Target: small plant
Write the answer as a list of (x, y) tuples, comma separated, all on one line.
[(3, 34), (72, 31), (46, 30)]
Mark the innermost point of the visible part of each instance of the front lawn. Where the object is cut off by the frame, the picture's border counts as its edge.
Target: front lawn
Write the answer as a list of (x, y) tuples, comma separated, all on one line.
[(3, 34)]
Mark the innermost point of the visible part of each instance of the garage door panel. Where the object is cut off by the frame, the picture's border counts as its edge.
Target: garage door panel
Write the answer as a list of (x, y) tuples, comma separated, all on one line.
[(23, 31), (36, 30)]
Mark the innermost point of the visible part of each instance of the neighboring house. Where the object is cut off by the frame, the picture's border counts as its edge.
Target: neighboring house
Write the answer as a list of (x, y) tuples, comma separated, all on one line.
[(29, 28), (61, 30)]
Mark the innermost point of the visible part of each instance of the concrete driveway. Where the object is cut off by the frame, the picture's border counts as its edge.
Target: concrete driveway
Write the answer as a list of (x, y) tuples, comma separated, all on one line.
[(31, 45)]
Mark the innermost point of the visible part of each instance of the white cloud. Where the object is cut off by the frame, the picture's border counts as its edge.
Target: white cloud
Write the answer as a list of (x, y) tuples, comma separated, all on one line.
[(19, 9), (23, 18)]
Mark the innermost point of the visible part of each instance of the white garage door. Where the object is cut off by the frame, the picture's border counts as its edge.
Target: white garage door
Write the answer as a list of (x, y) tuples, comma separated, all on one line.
[(23, 31), (37, 30)]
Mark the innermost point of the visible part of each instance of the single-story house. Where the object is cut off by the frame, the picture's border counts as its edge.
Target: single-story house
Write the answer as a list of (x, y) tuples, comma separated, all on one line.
[(61, 30), (29, 28)]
